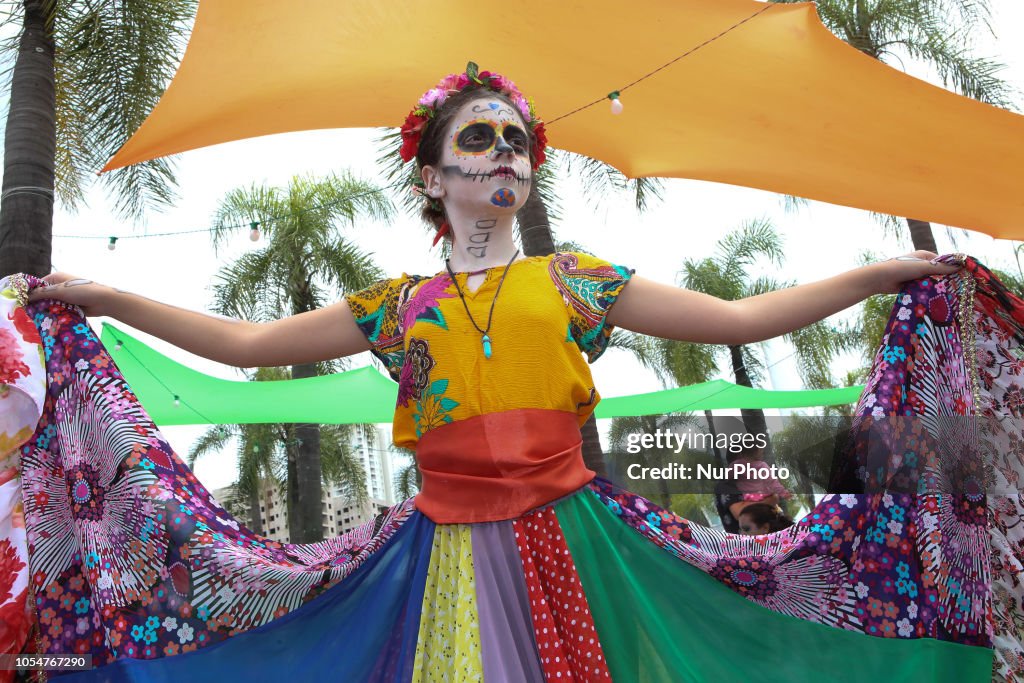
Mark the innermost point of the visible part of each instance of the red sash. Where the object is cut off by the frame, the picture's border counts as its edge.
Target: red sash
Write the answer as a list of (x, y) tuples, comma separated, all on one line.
[(499, 466)]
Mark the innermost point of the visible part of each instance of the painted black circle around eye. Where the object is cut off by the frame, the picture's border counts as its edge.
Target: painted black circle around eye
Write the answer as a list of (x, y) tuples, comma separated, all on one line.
[(516, 138), (476, 137)]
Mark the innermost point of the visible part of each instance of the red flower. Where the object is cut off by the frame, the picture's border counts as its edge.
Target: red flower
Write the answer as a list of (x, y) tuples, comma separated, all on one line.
[(412, 130), (24, 325), (540, 143)]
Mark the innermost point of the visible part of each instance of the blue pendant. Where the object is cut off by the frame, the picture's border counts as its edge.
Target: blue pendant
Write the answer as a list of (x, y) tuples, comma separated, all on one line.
[(487, 346)]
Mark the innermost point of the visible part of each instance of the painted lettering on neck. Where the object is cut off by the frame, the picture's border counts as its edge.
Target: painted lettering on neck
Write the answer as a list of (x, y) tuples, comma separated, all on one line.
[(483, 226)]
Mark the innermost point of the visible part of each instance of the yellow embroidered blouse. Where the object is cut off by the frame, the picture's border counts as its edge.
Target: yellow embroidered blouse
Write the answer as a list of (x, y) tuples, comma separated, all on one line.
[(551, 308)]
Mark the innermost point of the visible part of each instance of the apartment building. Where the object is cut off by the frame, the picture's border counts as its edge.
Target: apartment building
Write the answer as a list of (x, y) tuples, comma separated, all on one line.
[(340, 514)]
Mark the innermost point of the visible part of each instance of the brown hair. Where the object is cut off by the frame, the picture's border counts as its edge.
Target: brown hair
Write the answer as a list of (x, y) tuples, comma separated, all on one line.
[(429, 152), (762, 513)]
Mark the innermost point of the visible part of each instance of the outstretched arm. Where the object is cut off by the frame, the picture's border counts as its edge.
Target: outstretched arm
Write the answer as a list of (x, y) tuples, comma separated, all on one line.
[(323, 334), (664, 311)]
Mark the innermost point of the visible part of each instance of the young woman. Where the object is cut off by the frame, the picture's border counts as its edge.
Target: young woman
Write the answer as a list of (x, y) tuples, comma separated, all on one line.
[(762, 518), (513, 562)]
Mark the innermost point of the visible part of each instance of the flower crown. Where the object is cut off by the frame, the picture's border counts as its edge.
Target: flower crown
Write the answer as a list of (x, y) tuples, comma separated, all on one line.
[(421, 116)]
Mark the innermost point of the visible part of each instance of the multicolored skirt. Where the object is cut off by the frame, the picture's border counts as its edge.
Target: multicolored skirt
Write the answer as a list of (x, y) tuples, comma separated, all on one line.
[(110, 546)]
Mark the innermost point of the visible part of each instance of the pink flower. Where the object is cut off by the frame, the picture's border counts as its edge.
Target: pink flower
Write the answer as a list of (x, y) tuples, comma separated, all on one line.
[(427, 296), (449, 82), (434, 98), (524, 106)]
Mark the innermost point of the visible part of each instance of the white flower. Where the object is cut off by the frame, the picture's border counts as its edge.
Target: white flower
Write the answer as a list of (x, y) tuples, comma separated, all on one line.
[(170, 623), (912, 610), (848, 500), (861, 590), (906, 299), (905, 629), (82, 626), (903, 314), (878, 412), (896, 527), (82, 364), (870, 399), (185, 633), (887, 500)]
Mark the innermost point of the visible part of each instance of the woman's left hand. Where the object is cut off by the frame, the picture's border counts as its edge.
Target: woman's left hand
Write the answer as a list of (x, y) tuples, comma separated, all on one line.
[(889, 276)]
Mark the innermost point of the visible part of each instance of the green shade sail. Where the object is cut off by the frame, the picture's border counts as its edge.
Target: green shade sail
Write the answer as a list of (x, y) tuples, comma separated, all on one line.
[(721, 395), (363, 395), (366, 395)]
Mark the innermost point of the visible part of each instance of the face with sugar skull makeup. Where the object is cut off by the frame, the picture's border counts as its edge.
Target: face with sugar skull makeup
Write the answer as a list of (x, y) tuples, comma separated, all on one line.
[(485, 160)]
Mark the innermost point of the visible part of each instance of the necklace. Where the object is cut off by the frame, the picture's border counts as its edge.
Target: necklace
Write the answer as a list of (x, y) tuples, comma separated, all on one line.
[(485, 339)]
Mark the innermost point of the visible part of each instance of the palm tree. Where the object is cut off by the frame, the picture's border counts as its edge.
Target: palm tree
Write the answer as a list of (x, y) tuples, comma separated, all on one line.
[(303, 265), (725, 275), (935, 32), (265, 450), (85, 77)]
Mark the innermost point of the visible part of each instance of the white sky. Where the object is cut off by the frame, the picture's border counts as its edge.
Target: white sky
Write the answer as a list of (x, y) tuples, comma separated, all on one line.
[(821, 240)]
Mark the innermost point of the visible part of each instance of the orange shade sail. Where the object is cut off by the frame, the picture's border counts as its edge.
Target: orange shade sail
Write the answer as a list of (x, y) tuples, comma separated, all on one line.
[(776, 103)]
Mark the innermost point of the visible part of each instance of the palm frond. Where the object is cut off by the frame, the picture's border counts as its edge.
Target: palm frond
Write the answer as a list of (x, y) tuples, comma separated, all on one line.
[(405, 482), (213, 439), (118, 58), (340, 465)]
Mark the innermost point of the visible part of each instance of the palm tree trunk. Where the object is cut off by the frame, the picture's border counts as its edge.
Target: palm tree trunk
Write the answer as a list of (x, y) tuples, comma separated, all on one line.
[(26, 205), (306, 526), (714, 438), (535, 234), (291, 481), (921, 234), (753, 419)]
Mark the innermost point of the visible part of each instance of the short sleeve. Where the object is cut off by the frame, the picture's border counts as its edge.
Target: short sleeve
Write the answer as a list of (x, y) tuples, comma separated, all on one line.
[(589, 287), (376, 312)]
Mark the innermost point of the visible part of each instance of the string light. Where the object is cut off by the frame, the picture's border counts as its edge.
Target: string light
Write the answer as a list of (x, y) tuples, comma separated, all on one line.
[(660, 68), (253, 226), (177, 399), (616, 102), (117, 346)]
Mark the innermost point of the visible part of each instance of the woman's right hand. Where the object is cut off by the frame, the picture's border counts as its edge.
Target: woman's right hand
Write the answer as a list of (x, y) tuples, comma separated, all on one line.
[(93, 298)]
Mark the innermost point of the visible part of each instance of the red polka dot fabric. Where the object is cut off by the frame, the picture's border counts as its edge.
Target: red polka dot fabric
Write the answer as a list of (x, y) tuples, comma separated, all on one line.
[(566, 639)]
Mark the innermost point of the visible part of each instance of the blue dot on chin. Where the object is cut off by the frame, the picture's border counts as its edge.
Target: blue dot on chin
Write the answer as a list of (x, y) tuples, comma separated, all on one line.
[(492, 105)]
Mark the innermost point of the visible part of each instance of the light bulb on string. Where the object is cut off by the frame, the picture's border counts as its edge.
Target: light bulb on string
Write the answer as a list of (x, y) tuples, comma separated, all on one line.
[(616, 102), (112, 244), (254, 234), (117, 346), (177, 401)]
